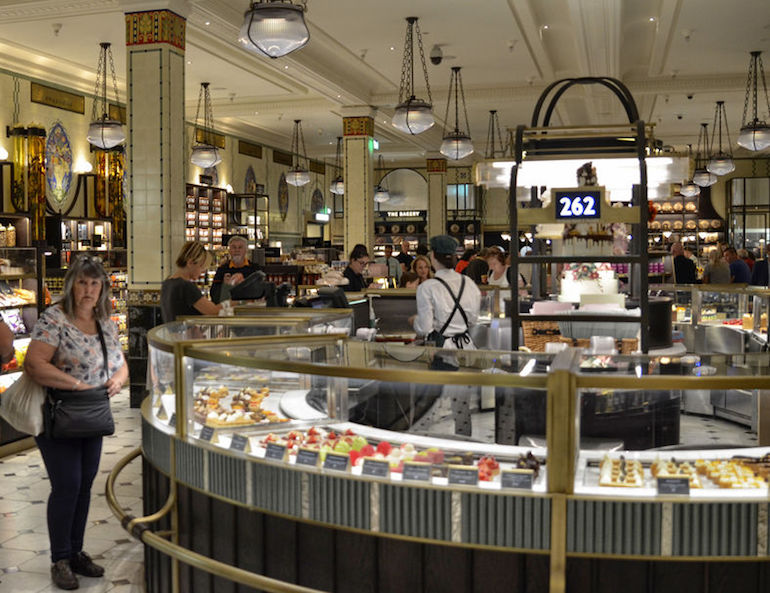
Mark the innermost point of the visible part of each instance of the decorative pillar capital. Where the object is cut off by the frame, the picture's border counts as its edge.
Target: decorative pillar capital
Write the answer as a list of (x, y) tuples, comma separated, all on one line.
[(436, 165), (155, 26), (361, 125)]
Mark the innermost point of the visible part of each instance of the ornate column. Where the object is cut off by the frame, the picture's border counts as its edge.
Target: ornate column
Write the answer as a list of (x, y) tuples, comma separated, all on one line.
[(156, 158), (436, 196), (358, 157)]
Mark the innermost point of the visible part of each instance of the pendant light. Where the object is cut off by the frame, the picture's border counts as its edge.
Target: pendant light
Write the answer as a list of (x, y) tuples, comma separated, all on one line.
[(457, 144), (381, 193), (701, 176), (412, 115), (297, 175), (494, 127), (274, 28), (204, 153), (689, 189), (338, 184), (755, 133), (104, 132), (720, 162)]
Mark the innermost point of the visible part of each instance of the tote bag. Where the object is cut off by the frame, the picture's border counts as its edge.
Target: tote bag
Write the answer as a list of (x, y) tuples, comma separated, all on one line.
[(21, 405)]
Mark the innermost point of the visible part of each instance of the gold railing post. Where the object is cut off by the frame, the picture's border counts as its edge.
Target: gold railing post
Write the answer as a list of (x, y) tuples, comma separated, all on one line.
[(561, 437)]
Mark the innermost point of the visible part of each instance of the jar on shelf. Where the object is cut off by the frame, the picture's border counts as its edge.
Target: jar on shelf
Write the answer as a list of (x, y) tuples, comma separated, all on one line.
[(10, 236), (3, 236)]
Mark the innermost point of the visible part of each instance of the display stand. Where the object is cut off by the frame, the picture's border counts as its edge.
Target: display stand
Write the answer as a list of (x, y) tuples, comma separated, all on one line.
[(541, 142)]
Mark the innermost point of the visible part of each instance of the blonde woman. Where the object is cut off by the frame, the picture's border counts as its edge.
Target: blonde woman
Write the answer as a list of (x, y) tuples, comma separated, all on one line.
[(717, 270), (422, 267), (179, 295)]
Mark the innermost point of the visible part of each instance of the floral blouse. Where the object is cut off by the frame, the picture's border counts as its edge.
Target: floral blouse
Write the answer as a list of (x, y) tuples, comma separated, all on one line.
[(79, 354)]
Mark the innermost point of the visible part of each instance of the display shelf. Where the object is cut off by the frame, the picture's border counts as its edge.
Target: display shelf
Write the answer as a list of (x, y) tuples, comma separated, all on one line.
[(248, 215), (205, 214)]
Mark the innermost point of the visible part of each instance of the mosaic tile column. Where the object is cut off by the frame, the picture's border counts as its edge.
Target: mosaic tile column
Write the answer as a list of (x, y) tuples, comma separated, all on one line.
[(358, 171), (436, 196), (156, 158)]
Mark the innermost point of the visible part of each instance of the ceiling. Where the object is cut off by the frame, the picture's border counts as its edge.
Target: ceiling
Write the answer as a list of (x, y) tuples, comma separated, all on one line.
[(676, 56)]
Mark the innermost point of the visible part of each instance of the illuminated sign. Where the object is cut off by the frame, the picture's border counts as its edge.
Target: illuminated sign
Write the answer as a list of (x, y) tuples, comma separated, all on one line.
[(578, 204)]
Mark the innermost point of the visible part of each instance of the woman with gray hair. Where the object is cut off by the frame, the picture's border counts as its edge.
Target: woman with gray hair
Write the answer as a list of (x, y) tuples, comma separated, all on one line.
[(75, 347)]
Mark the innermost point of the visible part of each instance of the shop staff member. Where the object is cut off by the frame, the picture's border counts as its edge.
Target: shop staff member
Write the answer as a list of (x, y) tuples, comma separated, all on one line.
[(394, 266), (235, 270), (354, 272), (684, 269), (739, 270), (179, 295)]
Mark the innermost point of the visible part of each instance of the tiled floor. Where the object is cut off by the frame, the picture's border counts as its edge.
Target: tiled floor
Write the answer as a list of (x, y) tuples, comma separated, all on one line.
[(24, 553)]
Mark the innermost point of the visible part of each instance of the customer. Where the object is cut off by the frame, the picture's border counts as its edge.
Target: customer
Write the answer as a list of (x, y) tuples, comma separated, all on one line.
[(404, 258), (66, 353), (760, 275), (717, 271), (422, 267), (422, 249), (684, 269), (233, 271), (447, 308), (394, 266), (465, 260), (409, 280), (7, 350), (746, 256), (498, 268), (739, 271), (354, 271), (179, 295), (478, 268)]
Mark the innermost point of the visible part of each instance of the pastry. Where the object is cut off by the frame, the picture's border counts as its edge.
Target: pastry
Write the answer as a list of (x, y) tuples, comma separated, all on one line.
[(621, 473)]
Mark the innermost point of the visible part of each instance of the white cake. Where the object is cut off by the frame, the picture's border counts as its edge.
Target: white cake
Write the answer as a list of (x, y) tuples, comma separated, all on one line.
[(590, 278)]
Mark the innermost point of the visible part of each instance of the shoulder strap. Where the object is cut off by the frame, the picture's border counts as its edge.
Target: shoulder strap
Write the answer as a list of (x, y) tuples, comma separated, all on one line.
[(104, 349), (457, 306)]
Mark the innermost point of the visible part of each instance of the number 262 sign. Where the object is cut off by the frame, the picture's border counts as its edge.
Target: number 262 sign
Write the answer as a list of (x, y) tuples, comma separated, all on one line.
[(577, 204)]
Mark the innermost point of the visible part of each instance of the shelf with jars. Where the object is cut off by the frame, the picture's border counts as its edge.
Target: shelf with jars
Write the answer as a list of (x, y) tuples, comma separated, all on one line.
[(205, 214), (247, 215)]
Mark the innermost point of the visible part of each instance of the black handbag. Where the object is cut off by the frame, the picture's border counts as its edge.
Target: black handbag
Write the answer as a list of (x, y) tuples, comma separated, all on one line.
[(80, 414)]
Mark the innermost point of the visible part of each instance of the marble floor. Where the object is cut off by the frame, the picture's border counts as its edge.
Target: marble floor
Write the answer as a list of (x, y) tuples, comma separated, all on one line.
[(24, 550)]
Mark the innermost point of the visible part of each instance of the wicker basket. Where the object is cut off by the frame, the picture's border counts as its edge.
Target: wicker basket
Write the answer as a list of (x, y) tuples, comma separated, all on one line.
[(538, 333)]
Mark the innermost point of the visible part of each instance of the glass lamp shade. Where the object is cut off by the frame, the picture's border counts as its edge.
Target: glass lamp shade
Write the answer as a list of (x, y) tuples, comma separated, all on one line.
[(720, 164), (413, 116), (689, 189), (205, 156), (276, 28), (106, 133), (337, 186), (755, 136), (381, 194), (297, 176), (703, 178), (456, 146)]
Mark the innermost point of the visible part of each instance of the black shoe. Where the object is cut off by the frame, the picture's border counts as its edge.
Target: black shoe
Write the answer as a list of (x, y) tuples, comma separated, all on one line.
[(61, 575), (81, 563)]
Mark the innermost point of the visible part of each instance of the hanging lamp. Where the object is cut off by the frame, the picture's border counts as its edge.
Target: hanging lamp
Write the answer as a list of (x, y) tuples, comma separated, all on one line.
[(204, 153), (297, 175), (457, 144), (720, 162), (493, 127), (701, 176), (104, 132), (274, 28), (689, 189), (412, 115), (755, 133), (381, 193), (337, 185)]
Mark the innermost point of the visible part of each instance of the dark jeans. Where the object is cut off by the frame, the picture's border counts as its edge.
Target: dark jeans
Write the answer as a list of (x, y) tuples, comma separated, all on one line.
[(72, 465)]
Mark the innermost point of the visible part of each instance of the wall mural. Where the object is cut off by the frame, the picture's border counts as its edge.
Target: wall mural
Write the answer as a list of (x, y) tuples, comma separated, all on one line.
[(283, 197), (250, 182), (58, 165), (317, 201)]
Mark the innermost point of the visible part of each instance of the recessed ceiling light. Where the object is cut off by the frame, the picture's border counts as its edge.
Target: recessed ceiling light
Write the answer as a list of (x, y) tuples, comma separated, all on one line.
[(652, 19), (189, 61), (256, 113), (285, 67), (339, 96), (545, 27), (207, 23), (392, 48)]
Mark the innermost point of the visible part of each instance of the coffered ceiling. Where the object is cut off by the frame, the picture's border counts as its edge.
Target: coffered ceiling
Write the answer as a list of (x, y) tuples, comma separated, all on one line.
[(677, 57)]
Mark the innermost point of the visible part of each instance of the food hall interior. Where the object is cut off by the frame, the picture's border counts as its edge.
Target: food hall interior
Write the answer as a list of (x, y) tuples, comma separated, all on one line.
[(612, 424)]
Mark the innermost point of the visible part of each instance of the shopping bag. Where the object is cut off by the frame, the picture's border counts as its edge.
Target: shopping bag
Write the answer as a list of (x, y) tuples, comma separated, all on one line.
[(21, 405)]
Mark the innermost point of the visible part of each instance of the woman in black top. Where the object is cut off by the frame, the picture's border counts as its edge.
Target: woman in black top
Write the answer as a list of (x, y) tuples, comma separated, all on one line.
[(179, 294), (359, 258)]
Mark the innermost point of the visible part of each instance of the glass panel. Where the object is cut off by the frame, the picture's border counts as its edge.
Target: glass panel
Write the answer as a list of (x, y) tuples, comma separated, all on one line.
[(758, 192), (461, 197), (756, 231), (736, 189)]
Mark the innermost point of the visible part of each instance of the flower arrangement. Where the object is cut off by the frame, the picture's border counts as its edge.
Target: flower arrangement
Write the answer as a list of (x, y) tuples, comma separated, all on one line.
[(585, 271)]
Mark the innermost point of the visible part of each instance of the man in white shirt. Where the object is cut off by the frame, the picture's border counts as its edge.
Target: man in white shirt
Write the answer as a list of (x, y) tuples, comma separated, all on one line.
[(394, 267)]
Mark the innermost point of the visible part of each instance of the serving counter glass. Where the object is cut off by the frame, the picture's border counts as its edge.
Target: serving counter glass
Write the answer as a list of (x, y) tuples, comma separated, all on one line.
[(336, 451)]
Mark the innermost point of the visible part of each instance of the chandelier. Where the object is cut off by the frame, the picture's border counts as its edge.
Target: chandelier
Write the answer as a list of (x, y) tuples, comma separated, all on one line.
[(274, 28), (457, 144), (338, 184), (755, 134), (104, 132), (412, 115), (701, 176), (204, 153), (381, 193), (689, 189), (297, 175), (720, 162)]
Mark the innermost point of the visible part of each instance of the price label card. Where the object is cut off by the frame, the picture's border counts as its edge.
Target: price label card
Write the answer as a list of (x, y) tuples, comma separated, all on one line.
[(172, 420), (376, 468), (674, 486), (275, 451), (307, 457), (521, 479), (336, 462), (461, 474), (207, 433), (417, 471), (239, 443)]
